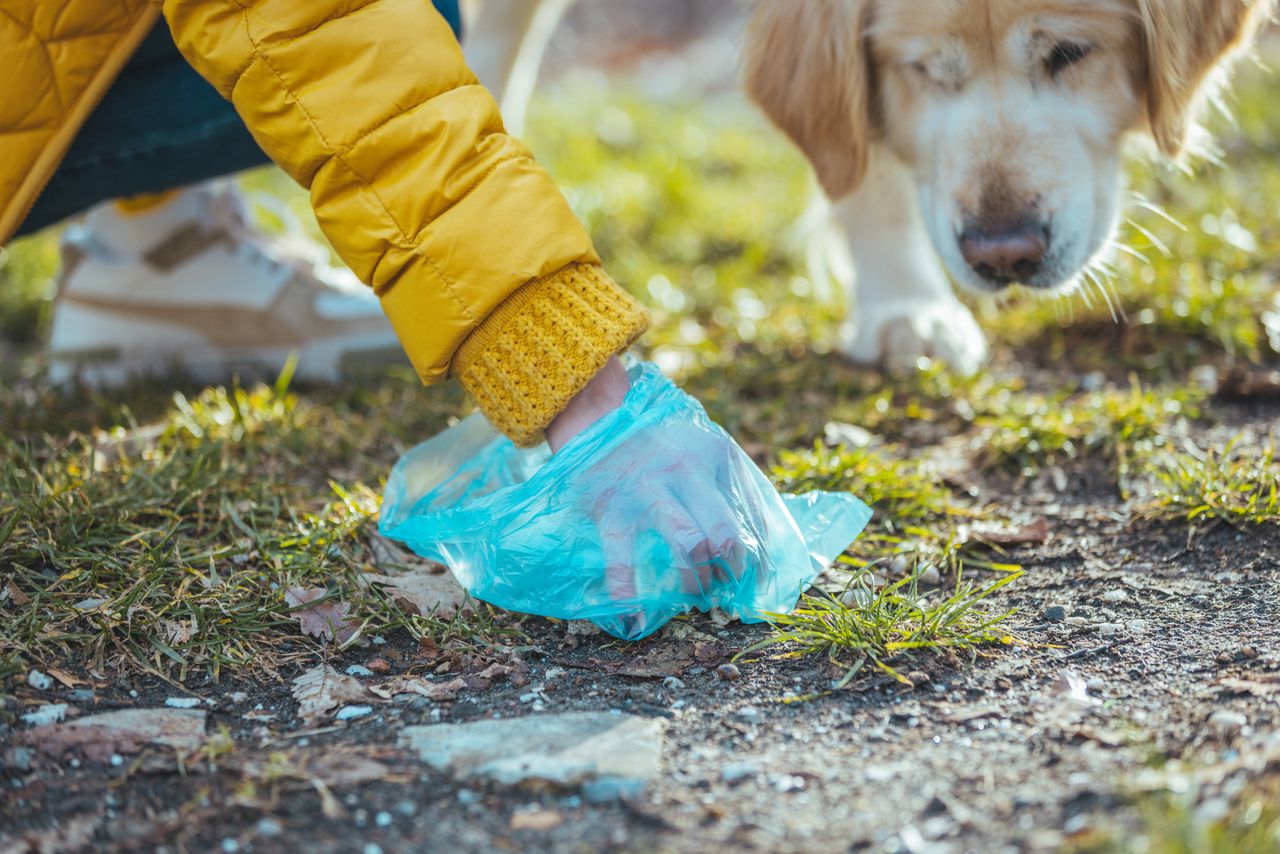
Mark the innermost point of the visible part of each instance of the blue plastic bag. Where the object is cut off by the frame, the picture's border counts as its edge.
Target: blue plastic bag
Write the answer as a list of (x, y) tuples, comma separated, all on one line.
[(651, 512)]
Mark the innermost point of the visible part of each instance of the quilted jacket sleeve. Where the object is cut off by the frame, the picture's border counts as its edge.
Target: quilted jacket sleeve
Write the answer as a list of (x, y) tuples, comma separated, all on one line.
[(481, 266)]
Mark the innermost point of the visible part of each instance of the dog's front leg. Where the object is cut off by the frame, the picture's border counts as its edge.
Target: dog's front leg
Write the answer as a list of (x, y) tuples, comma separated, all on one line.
[(901, 304), (504, 47)]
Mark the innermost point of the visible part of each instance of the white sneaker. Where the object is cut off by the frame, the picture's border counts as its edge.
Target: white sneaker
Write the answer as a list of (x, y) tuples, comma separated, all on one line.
[(192, 286)]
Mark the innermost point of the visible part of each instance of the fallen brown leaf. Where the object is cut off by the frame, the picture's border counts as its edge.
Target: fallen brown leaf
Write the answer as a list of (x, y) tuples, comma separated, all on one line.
[(438, 691), (660, 661), (326, 619), (322, 688), (66, 678), (425, 592), (495, 671), (15, 595)]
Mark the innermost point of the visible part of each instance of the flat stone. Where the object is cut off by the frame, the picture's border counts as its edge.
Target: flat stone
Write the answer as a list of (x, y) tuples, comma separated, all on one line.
[(562, 749), (1055, 613), (1227, 722), (608, 790)]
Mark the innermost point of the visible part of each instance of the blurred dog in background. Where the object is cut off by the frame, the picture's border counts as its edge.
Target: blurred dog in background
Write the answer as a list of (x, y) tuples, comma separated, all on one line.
[(979, 141)]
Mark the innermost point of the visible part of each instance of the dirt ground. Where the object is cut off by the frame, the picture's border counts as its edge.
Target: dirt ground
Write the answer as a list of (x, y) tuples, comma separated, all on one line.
[(1030, 747), (1147, 659)]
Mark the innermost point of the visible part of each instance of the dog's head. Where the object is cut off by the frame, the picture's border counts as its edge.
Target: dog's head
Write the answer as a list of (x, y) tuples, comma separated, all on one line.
[(1011, 113)]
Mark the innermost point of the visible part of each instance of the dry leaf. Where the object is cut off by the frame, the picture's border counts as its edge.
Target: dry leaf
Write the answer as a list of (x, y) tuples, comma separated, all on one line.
[(495, 671), (326, 620), (66, 678), (335, 770), (15, 595), (437, 594), (177, 632), (438, 691), (660, 661), (321, 689)]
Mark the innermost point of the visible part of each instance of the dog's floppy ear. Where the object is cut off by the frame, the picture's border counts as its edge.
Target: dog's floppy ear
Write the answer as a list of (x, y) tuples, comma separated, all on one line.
[(1189, 45), (807, 68)]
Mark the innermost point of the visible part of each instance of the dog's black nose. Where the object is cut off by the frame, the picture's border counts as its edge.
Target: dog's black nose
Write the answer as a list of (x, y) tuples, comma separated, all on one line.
[(1007, 253)]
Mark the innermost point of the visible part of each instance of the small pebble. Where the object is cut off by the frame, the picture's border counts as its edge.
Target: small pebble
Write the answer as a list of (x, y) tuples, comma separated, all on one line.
[(183, 703), (39, 681), (930, 577), (736, 772), (382, 819), (1226, 722), (17, 758), (1108, 630), (230, 846), (238, 697), (608, 790), (347, 713), (1136, 626), (747, 713), (359, 670), (371, 848), (1076, 621), (787, 783), (117, 760), (674, 683), (269, 827), (1115, 596), (729, 672), (1055, 613), (466, 797)]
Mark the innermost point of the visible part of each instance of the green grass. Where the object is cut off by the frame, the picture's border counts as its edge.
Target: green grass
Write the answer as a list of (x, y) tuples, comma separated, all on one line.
[(874, 625), (1168, 824), (170, 547), (1121, 427), (187, 515), (1233, 485)]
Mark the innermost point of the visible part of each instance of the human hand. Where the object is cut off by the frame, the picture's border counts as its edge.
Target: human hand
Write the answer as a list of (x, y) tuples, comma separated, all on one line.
[(604, 394), (646, 513)]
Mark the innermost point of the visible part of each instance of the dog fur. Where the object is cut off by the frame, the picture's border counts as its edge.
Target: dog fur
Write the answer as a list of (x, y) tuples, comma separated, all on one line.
[(943, 131)]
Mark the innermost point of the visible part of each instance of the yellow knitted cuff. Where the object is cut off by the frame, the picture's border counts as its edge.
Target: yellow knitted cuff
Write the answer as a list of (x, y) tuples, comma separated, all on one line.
[(542, 345)]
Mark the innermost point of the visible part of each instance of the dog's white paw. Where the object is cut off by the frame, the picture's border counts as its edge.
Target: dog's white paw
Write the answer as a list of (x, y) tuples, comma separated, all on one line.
[(897, 335)]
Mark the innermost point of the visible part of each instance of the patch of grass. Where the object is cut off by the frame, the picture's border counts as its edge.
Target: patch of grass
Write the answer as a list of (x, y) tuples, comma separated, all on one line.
[(1168, 824), (903, 492), (875, 626), (919, 522), (27, 272), (1118, 426), (1231, 485), (169, 547)]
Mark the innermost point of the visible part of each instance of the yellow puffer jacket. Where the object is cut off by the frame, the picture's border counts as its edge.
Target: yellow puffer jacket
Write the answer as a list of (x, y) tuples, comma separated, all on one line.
[(480, 264)]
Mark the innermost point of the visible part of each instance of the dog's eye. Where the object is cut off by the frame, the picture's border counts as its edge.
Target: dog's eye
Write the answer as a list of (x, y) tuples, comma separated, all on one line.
[(1066, 54)]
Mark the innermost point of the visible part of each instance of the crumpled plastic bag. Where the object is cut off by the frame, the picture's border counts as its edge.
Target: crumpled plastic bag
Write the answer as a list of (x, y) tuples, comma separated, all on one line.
[(649, 513)]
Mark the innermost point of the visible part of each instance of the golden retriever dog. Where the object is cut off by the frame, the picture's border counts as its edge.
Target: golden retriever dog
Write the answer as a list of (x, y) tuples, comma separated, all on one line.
[(975, 141)]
